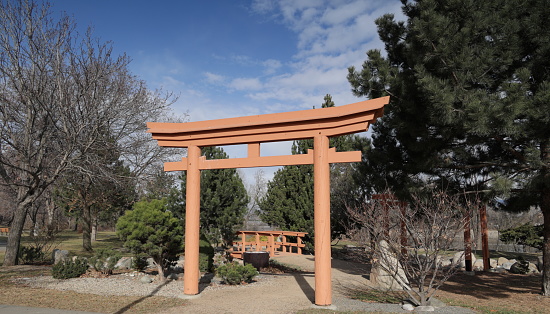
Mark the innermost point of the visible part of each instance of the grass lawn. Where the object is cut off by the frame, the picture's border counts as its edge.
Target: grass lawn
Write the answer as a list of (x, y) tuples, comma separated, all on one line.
[(72, 242)]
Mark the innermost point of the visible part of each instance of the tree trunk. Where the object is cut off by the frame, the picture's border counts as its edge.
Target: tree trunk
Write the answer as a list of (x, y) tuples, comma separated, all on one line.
[(467, 242), (87, 228), (94, 228), (545, 208), (14, 237), (50, 207)]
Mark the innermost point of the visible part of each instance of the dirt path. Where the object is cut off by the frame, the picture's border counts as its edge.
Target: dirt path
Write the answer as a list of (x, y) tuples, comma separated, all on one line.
[(286, 293)]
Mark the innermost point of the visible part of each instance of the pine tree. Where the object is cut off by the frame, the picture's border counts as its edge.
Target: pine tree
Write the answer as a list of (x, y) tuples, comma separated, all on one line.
[(288, 203), (470, 105), (223, 200)]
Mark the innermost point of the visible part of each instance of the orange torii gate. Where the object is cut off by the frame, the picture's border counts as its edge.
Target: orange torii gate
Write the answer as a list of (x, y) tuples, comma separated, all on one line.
[(319, 124)]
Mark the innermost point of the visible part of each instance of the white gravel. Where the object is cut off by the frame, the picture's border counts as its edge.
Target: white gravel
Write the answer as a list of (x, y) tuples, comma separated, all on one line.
[(129, 285)]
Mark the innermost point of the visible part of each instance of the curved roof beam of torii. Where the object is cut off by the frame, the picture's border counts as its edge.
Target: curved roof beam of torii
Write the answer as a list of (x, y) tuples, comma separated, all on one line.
[(294, 125)]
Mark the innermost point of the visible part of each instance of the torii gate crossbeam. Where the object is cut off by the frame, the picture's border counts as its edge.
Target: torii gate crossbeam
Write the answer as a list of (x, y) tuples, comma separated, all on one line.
[(318, 124)]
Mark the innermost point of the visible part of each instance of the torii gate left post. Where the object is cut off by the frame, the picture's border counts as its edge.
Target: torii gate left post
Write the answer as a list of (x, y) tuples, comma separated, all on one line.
[(318, 124)]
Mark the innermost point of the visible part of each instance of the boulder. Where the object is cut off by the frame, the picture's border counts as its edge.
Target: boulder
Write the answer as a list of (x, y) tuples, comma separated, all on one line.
[(145, 279), (59, 255), (502, 260), (407, 307), (478, 265), (443, 261), (493, 263), (507, 265), (387, 272), (124, 263), (521, 267), (460, 260), (533, 268)]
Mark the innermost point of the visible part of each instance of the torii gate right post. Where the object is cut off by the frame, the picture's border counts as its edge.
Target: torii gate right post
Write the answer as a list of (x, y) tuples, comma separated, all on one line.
[(319, 124)]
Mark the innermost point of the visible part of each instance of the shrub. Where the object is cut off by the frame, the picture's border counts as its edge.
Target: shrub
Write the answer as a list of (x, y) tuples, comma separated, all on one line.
[(206, 255), (236, 274), (70, 269), (31, 254), (139, 262), (152, 230), (104, 260)]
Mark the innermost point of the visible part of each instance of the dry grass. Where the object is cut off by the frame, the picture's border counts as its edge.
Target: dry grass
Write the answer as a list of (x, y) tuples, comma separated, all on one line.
[(68, 300), (496, 293)]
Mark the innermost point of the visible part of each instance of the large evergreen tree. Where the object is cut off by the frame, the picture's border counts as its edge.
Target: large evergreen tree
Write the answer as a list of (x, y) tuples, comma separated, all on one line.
[(288, 202), (470, 103), (223, 200)]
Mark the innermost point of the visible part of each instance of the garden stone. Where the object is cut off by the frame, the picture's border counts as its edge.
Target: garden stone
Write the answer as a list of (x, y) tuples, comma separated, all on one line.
[(151, 262), (384, 279), (507, 265), (124, 263), (460, 260), (519, 268), (146, 279), (407, 307), (444, 261), (533, 268), (478, 265), (60, 255), (502, 260)]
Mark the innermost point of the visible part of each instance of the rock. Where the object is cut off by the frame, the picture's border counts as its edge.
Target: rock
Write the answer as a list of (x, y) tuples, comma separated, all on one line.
[(206, 278), (59, 255), (124, 263), (502, 260), (533, 268), (424, 308), (443, 261), (151, 262), (493, 263), (145, 279), (460, 260), (507, 265), (519, 268), (407, 307), (478, 265), (387, 273)]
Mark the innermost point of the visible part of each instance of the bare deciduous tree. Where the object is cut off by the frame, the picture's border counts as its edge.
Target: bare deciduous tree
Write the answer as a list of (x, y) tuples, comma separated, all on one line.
[(409, 241), (62, 95)]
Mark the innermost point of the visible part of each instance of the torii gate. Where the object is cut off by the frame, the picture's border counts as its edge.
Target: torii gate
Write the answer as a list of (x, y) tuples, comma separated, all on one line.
[(319, 124)]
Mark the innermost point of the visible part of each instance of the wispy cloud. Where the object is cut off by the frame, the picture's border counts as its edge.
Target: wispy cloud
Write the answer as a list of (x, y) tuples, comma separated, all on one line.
[(332, 35)]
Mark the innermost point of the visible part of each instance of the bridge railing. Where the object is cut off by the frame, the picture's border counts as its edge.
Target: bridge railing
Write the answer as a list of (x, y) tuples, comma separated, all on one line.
[(274, 242)]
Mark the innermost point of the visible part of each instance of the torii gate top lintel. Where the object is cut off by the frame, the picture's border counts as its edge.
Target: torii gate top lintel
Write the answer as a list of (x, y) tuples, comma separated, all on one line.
[(252, 130), (273, 127)]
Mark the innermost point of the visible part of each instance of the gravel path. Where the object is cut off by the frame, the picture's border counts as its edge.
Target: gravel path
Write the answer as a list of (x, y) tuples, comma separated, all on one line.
[(284, 293)]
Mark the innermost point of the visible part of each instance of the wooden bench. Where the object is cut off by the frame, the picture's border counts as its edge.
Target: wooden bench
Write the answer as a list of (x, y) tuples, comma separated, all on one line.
[(4, 231), (276, 244)]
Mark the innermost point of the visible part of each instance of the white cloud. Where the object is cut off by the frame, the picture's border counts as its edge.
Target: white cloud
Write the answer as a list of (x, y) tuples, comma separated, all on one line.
[(271, 66), (245, 84), (214, 78)]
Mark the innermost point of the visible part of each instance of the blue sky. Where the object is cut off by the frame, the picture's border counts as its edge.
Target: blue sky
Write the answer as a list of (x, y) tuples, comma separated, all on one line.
[(230, 58)]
